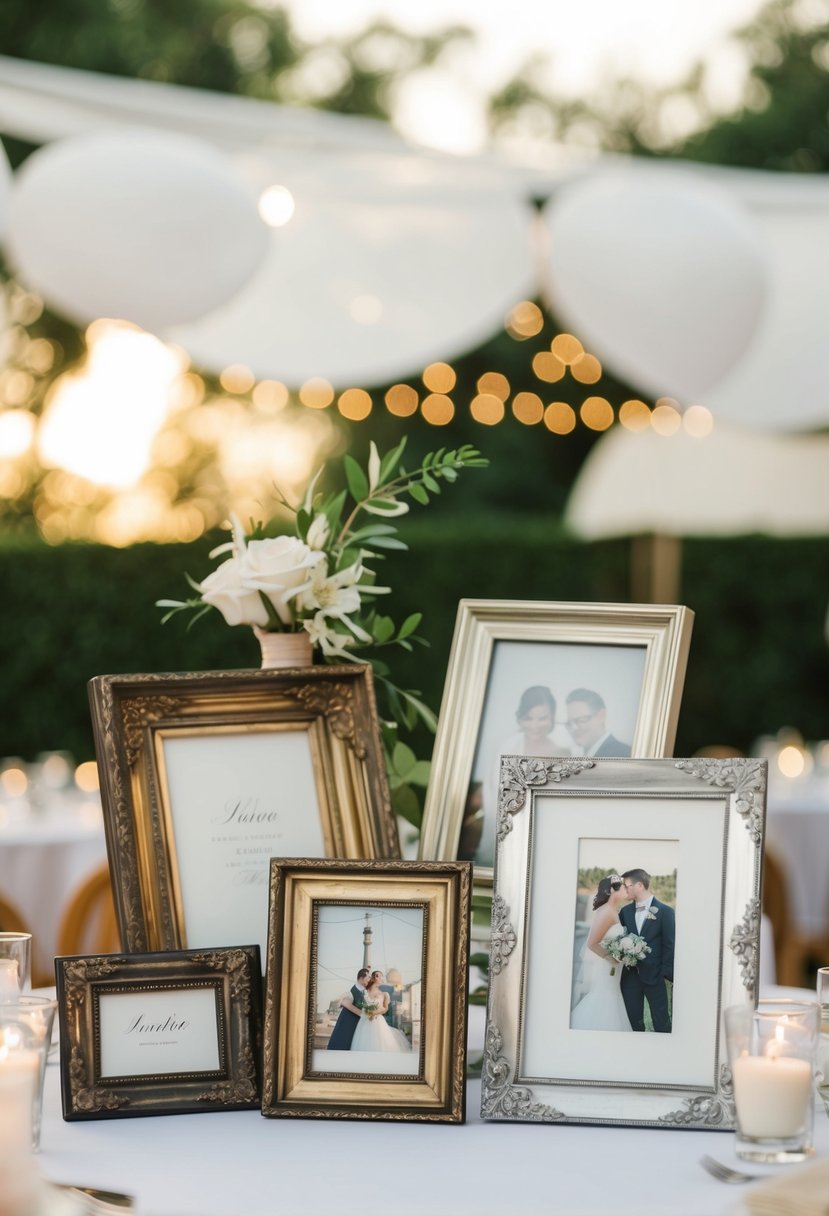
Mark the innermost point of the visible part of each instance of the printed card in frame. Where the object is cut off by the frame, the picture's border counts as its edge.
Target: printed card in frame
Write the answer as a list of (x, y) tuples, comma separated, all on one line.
[(545, 678), (205, 776), (166, 1033), (365, 998), (661, 857)]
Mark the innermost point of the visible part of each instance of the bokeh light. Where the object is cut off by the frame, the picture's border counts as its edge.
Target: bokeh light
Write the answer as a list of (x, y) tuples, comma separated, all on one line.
[(587, 370), (100, 422), (634, 415), (548, 367), (567, 348), (666, 418), (270, 396), (524, 321), (528, 408), (316, 393), (495, 383), (560, 418), (698, 421), (487, 409), (354, 404), (596, 413), (437, 409), (402, 400), (439, 378), (276, 206), (17, 429), (237, 379)]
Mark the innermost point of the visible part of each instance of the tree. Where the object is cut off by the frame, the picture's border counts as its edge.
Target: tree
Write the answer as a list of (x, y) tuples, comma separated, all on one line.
[(779, 122)]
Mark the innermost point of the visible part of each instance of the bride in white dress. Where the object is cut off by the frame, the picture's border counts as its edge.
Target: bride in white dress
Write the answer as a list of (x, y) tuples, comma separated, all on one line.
[(374, 1033), (602, 1007)]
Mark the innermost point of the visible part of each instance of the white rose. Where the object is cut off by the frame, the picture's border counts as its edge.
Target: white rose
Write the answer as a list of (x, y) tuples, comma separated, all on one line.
[(276, 566), (226, 590), (627, 943)]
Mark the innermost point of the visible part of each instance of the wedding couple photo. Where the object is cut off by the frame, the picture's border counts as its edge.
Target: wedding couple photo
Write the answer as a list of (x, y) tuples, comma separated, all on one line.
[(625, 929), (367, 990)]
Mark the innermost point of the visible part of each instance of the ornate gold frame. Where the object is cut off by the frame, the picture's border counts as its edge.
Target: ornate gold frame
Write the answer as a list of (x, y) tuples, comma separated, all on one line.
[(289, 1087), (234, 974), (664, 631), (133, 714)]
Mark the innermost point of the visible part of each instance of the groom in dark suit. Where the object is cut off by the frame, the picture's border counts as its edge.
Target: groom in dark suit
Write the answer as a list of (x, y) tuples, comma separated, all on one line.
[(349, 1014), (654, 921)]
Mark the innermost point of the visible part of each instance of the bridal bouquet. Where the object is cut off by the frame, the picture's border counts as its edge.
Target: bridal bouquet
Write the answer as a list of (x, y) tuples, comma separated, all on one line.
[(628, 949), (369, 1010)]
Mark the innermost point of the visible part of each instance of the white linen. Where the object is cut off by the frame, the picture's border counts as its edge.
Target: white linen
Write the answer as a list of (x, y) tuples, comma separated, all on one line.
[(239, 1164), (797, 833), (43, 859)]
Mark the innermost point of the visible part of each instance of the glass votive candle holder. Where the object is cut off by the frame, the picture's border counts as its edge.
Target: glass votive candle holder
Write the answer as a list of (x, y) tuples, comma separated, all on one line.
[(25, 1038), (823, 1041), (772, 1051), (15, 965)]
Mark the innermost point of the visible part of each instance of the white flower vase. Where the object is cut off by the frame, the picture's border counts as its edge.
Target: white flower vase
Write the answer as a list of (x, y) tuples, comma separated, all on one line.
[(284, 649)]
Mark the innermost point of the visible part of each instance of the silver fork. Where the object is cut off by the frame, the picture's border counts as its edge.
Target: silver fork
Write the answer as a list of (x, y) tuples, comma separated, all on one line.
[(724, 1173)]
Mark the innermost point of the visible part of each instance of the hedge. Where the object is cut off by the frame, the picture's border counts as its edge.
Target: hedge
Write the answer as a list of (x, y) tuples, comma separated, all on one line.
[(759, 656)]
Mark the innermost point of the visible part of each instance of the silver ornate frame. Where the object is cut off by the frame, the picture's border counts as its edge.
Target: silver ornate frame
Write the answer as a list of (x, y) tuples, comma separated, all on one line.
[(739, 785)]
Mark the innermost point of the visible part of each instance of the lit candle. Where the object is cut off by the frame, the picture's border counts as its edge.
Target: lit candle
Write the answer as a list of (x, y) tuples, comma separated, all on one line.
[(773, 1092), (18, 1174), (9, 983)]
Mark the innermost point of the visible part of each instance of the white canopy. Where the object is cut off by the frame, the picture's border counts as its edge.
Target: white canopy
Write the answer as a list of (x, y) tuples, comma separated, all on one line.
[(397, 256)]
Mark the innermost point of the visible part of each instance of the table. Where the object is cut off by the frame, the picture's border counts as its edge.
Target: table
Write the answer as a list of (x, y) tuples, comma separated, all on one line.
[(797, 833), (44, 855), (240, 1164)]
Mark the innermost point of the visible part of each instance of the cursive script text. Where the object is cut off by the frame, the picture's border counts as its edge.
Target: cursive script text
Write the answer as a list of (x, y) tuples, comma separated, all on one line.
[(246, 811), (140, 1026)]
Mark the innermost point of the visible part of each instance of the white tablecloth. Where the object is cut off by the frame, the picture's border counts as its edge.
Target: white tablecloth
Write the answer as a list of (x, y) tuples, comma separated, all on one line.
[(797, 833), (43, 858), (240, 1164)]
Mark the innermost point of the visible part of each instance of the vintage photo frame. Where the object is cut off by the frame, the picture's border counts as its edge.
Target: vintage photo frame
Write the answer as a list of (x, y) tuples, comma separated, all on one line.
[(205, 776), (633, 655), (427, 1083), (166, 1033), (537, 1067)]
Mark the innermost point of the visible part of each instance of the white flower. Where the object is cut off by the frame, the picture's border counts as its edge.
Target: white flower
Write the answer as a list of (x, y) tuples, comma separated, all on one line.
[(331, 643), (627, 943), (227, 590), (333, 596), (276, 567), (318, 532)]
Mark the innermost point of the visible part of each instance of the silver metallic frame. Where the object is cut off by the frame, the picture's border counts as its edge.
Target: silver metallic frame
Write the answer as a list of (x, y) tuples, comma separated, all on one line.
[(663, 632), (717, 809)]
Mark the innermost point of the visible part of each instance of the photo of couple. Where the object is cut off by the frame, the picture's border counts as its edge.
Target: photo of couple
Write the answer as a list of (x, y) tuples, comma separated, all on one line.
[(624, 951), (367, 1018), (547, 699)]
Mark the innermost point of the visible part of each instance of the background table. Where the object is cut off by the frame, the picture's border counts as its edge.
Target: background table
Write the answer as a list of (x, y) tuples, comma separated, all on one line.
[(43, 858), (797, 833)]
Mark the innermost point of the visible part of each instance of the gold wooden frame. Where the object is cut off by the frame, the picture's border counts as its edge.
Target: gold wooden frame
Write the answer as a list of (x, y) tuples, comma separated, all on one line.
[(132, 716), (664, 631), (298, 888)]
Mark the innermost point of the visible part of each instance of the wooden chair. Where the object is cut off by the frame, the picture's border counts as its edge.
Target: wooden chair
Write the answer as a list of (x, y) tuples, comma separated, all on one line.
[(88, 924), (11, 921), (793, 951)]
